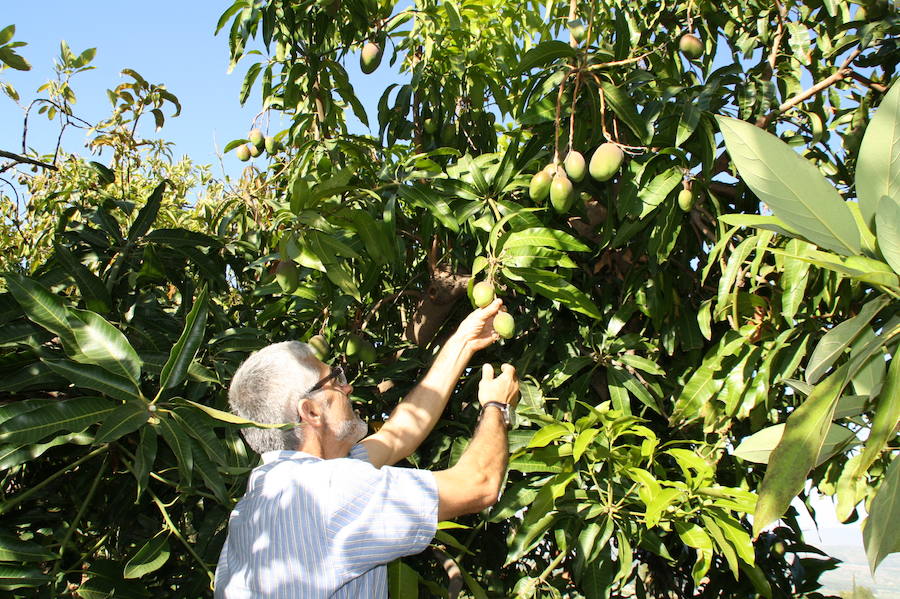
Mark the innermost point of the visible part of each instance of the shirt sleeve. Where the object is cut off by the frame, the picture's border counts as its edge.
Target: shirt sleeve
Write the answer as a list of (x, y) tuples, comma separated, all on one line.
[(380, 514)]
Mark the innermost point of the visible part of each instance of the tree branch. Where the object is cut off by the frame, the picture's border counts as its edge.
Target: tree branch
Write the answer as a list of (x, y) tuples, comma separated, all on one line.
[(19, 159)]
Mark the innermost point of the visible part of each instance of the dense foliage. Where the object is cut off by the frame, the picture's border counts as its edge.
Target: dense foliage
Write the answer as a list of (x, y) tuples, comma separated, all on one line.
[(670, 347)]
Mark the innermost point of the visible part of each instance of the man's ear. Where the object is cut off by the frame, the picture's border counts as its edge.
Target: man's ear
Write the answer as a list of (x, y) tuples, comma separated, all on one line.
[(309, 411)]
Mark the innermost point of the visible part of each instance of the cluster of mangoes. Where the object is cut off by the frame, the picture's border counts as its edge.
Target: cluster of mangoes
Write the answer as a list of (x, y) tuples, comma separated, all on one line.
[(483, 294), (356, 348), (555, 179), (258, 143)]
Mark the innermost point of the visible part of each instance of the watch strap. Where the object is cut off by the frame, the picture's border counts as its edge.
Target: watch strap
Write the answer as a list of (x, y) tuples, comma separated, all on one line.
[(503, 407)]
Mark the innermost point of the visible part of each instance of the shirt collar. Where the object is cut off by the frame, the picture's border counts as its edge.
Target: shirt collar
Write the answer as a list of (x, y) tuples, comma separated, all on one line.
[(284, 454)]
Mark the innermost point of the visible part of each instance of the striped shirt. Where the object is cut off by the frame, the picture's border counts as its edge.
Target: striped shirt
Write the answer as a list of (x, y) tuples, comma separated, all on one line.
[(314, 528)]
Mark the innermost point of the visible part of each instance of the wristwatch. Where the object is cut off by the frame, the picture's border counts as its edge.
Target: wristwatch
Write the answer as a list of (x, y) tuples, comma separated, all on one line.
[(503, 407)]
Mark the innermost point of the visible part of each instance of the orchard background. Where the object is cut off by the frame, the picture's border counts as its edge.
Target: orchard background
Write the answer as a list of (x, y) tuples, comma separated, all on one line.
[(689, 367)]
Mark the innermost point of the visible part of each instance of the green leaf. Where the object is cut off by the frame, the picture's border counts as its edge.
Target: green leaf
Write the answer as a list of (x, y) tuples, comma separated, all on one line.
[(884, 423), (103, 345), (92, 289), (96, 378), (147, 215), (692, 535), (69, 415), (544, 54), (880, 529), (554, 287), (13, 549), (123, 420), (403, 581), (794, 279), (704, 382), (539, 236), (17, 577), (106, 175), (584, 440), (549, 433), (878, 162), (41, 306), (433, 202), (180, 444), (796, 454), (144, 458), (658, 189), (624, 107), (6, 34), (832, 345), (759, 446), (887, 227), (232, 419), (188, 343), (13, 455), (14, 60), (791, 186), (150, 557)]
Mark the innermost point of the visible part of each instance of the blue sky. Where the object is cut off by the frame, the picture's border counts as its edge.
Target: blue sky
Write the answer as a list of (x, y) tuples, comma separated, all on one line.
[(167, 42)]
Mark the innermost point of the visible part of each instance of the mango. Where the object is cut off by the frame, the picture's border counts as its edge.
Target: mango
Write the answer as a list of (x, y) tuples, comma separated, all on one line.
[(691, 46), (686, 199), (539, 188), (575, 166), (561, 193), (370, 57), (504, 325), (243, 152), (287, 276), (606, 161), (483, 294)]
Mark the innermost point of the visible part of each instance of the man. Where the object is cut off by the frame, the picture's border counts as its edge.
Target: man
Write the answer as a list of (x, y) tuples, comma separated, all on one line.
[(326, 511)]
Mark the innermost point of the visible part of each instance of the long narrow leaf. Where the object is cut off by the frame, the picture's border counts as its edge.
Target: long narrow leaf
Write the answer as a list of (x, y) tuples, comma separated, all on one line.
[(878, 163), (186, 347), (66, 415), (102, 344)]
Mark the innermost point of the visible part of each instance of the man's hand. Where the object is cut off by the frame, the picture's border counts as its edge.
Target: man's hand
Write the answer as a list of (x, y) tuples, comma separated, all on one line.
[(504, 388), (476, 332)]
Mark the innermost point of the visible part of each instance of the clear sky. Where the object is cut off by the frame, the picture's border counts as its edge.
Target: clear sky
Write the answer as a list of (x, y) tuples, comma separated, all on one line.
[(167, 42)]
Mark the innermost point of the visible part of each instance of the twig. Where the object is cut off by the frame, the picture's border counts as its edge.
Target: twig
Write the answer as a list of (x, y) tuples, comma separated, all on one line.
[(842, 72), (19, 159), (616, 63), (867, 82)]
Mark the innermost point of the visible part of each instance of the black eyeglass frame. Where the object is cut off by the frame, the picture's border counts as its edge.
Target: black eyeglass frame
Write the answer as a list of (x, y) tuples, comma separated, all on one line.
[(337, 372)]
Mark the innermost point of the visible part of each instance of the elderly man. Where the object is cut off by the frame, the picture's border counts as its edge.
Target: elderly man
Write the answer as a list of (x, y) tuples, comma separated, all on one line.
[(326, 511)]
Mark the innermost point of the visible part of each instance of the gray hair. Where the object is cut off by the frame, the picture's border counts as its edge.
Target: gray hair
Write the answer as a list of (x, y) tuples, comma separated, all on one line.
[(265, 389)]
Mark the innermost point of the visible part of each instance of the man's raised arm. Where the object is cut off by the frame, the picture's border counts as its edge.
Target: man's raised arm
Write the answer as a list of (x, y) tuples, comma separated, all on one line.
[(414, 417)]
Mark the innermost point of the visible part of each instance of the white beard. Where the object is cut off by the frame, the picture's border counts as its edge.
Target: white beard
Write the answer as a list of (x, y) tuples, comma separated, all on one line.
[(353, 429)]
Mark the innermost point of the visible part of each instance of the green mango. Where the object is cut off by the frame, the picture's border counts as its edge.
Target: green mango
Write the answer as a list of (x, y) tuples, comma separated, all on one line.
[(562, 195), (606, 161)]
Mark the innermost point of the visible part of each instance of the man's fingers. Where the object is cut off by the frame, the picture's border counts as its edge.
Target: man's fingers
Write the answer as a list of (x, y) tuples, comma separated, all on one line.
[(487, 373), (492, 308), (508, 369)]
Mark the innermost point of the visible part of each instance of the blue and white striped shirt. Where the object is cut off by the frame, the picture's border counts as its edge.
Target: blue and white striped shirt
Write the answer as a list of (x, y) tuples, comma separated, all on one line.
[(314, 528)]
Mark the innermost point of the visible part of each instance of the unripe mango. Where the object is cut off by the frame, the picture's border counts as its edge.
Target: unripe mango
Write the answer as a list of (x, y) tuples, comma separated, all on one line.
[(287, 276), (320, 346), (575, 166), (271, 145), (606, 161), (504, 325), (370, 57), (256, 138), (430, 126), (360, 350), (686, 199), (243, 152), (254, 150), (539, 188), (561, 193), (577, 29), (691, 46), (483, 294)]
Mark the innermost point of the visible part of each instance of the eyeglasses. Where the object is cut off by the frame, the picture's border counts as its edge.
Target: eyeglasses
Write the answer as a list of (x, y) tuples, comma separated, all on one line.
[(337, 373)]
